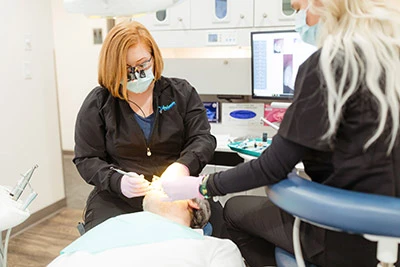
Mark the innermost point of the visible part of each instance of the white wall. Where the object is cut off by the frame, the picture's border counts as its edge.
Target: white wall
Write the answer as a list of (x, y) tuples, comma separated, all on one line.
[(29, 114), (76, 63)]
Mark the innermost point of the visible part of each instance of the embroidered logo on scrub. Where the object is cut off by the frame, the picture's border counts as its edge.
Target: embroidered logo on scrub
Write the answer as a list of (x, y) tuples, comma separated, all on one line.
[(161, 109)]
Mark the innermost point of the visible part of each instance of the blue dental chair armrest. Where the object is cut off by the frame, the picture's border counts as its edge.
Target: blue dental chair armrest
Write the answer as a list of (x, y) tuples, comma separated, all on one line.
[(376, 217), (337, 209)]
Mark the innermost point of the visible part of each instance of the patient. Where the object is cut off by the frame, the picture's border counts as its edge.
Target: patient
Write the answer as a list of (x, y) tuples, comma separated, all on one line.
[(164, 234)]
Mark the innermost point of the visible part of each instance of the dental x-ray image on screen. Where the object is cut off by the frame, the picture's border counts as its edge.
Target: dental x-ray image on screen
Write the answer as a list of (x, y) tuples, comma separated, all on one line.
[(276, 57)]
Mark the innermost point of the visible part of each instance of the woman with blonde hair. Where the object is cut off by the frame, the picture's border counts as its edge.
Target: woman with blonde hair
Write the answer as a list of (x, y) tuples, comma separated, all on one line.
[(139, 122), (343, 125)]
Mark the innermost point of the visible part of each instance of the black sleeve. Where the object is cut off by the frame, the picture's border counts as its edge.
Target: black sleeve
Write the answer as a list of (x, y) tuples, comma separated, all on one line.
[(306, 120), (199, 142), (90, 149), (273, 165)]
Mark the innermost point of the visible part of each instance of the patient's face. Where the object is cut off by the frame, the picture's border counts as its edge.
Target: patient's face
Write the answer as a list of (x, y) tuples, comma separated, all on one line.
[(193, 212), (154, 201)]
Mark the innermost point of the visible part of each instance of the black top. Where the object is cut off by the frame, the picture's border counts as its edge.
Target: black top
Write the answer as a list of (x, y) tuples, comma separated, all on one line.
[(341, 162), (107, 134)]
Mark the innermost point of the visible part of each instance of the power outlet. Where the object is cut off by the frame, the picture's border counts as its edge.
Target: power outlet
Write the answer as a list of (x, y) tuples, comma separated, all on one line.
[(28, 42), (97, 36), (27, 70)]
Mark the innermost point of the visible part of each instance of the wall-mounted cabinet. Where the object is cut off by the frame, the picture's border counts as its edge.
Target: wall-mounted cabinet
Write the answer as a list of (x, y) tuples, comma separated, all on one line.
[(221, 14), (273, 13), (174, 18), (215, 24), (212, 76)]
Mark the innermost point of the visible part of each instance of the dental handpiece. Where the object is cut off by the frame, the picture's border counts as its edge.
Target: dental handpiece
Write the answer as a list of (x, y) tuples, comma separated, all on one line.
[(29, 200), (22, 183)]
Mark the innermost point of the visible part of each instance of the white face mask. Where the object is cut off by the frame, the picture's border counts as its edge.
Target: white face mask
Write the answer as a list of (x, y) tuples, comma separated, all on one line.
[(143, 81)]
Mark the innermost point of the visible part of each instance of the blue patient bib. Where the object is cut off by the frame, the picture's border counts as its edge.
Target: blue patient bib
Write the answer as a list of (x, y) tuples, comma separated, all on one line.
[(130, 230)]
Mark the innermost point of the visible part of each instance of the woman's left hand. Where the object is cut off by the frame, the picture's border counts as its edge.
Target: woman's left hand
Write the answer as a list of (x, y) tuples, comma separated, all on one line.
[(180, 188)]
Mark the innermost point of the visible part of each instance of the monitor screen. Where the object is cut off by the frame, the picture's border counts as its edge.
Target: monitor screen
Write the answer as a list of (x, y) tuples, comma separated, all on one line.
[(275, 58)]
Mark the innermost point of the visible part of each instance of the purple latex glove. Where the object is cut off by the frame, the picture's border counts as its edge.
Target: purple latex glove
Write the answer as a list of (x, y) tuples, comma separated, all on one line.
[(176, 169), (183, 187), (134, 185)]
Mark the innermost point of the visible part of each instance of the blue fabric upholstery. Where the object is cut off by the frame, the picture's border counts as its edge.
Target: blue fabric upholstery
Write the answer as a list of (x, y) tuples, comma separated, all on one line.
[(338, 209), (130, 230), (284, 258)]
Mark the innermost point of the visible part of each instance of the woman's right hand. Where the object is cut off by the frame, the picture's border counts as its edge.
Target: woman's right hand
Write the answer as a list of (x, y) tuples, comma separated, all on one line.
[(134, 185)]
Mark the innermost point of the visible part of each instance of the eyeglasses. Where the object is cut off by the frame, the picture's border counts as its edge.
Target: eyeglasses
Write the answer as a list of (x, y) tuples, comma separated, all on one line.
[(138, 71)]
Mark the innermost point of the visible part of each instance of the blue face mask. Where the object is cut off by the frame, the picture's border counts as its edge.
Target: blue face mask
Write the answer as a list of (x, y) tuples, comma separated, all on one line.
[(307, 33), (142, 82)]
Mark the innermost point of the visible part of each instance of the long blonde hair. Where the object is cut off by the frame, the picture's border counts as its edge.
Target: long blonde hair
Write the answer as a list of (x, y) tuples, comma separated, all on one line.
[(361, 39)]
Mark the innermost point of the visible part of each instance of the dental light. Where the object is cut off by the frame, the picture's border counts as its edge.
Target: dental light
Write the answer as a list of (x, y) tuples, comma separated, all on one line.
[(117, 8)]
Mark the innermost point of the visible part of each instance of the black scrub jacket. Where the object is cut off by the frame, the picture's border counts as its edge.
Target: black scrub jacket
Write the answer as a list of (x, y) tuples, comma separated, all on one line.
[(107, 134), (341, 162)]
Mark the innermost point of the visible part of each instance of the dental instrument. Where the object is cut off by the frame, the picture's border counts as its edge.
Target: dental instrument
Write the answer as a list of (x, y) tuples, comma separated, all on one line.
[(131, 174), (22, 183), (270, 123), (14, 211)]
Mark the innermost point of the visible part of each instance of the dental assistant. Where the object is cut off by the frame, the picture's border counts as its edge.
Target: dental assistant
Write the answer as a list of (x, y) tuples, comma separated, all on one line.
[(343, 125), (138, 121)]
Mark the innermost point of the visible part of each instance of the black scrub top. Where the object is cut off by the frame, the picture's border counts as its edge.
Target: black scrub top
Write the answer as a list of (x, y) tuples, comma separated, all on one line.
[(355, 168), (341, 161)]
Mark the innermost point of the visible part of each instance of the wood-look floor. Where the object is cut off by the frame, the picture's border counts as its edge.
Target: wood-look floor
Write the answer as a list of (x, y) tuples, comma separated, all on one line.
[(40, 244)]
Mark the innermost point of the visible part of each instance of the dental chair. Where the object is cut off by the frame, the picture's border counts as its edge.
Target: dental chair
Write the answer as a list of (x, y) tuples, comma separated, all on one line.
[(340, 210)]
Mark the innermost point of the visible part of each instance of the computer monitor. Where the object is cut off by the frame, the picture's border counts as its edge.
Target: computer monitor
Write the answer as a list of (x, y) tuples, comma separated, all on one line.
[(275, 59)]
